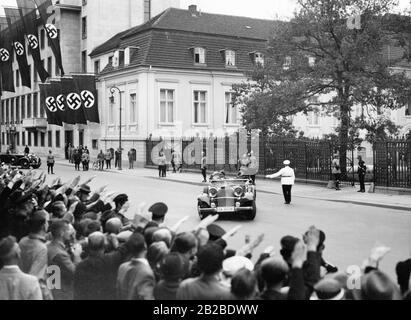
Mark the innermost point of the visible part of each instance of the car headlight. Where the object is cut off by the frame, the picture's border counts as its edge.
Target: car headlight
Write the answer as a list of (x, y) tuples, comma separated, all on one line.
[(238, 191), (213, 192)]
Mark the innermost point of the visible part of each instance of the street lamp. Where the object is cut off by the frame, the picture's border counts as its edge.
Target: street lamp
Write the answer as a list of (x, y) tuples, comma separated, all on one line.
[(112, 91)]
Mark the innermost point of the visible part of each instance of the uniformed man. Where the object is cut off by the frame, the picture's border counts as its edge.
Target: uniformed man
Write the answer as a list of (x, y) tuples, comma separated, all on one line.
[(204, 166), (362, 170), (287, 180), (122, 204)]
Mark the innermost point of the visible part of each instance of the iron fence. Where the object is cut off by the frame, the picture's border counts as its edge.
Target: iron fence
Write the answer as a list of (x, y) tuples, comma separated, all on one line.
[(392, 163)]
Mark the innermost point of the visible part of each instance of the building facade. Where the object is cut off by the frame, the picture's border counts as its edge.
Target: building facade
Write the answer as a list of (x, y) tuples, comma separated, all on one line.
[(83, 25), (175, 74)]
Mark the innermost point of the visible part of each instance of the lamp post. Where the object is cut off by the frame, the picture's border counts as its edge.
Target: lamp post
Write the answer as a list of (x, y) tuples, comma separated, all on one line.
[(113, 89)]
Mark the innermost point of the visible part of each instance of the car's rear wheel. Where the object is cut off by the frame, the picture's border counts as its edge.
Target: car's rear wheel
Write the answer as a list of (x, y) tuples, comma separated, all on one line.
[(24, 163)]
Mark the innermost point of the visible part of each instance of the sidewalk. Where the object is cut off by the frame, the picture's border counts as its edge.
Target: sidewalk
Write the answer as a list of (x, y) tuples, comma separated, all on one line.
[(348, 194)]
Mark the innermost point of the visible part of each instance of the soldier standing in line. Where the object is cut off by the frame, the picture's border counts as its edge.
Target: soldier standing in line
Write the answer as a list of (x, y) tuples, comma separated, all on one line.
[(287, 180)]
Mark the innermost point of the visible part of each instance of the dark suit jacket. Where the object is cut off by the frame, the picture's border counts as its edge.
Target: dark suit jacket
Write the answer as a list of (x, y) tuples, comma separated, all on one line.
[(166, 290), (95, 277)]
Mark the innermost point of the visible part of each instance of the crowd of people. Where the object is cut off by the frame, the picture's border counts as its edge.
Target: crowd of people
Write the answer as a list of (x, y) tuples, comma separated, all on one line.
[(64, 241), (79, 155)]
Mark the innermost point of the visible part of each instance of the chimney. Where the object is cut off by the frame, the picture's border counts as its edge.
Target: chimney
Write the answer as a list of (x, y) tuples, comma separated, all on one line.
[(193, 10)]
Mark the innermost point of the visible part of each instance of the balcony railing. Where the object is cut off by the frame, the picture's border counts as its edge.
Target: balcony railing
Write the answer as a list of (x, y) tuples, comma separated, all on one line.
[(34, 123)]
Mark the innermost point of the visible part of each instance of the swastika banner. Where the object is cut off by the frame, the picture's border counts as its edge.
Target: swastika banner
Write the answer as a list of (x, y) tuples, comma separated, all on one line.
[(6, 57), (86, 87), (28, 15), (48, 94)]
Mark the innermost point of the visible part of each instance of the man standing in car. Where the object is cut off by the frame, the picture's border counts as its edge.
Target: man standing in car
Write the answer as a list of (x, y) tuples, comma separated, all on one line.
[(26, 151), (287, 180)]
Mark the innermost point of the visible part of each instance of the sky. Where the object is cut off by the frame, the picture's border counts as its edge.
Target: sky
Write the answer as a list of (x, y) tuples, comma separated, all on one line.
[(262, 9)]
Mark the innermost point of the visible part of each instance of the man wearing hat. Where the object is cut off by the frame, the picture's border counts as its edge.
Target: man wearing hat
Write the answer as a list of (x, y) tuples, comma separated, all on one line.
[(158, 213), (287, 180), (121, 203)]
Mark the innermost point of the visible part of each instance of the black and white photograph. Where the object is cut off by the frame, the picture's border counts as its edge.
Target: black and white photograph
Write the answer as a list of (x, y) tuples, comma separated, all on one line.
[(225, 152)]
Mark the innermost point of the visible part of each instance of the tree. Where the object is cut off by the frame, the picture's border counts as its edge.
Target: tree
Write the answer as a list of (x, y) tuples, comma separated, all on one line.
[(316, 62)]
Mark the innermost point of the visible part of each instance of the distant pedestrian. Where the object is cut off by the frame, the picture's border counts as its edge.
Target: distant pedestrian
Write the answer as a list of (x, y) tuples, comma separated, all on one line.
[(131, 159), (70, 153), (107, 157), (173, 163), (362, 171), (85, 159), (117, 158), (336, 171), (50, 163), (26, 150), (204, 166), (287, 180), (86, 150), (100, 160), (162, 166), (77, 159)]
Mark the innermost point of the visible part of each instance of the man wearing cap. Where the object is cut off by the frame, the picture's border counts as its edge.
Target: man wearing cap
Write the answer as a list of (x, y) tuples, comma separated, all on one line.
[(287, 180), (158, 213), (14, 284), (121, 203)]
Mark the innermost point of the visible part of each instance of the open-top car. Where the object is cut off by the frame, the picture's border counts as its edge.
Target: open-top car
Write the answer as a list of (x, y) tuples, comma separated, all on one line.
[(22, 161), (233, 196)]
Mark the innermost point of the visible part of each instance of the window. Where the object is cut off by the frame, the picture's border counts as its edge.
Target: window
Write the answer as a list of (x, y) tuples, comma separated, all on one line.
[(18, 110), (36, 138), (2, 138), (313, 118), (50, 139), (42, 139), (17, 78), (42, 38), (56, 69), (230, 109), (94, 144), (230, 58), (287, 63), (23, 107), (84, 27), (3, 102), (200, 107), (311, 61), (57, 139), (50, 66), (7, 111), (199, 55), (35, 105), (29, 138), (23, 138), (17, 138), (133, 108), (259, 59), (12, 110), (111, 119), (84, 61), (166, 106), (147, 10), (29, 108), (97, 66), (110, 60)]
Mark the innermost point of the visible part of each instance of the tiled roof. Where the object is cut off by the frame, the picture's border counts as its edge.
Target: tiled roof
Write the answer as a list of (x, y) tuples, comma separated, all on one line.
[(201, 23)]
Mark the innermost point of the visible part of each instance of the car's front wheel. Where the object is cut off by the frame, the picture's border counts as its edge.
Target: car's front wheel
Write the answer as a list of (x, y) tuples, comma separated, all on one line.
[(24, 163), (251, 216)]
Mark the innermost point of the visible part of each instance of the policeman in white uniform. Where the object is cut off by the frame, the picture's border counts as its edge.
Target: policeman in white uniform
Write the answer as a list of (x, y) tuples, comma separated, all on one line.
[(287, 180)]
